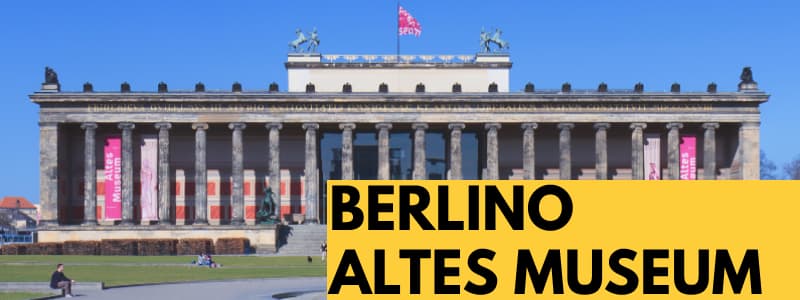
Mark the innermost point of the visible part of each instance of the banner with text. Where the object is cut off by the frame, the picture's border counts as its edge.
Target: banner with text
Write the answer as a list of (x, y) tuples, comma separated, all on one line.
[(652, 157), (509, 239), (113, 181), (147, 177), (688, 153)]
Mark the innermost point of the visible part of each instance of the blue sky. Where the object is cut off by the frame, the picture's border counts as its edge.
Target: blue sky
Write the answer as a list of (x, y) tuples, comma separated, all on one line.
[(219, 42)]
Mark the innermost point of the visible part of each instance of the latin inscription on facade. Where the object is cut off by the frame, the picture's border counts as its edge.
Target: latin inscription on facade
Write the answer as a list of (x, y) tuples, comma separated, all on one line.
[(397, 107)]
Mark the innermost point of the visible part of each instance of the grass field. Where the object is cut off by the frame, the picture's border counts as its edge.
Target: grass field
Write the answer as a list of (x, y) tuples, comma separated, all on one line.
[(126, 270)]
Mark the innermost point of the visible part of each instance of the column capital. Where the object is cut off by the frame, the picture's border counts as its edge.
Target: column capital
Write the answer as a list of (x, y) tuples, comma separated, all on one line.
[(48, 124), (492, 126), (751, 124), (563, 126), (237, 126), (603, 126), (274, 125), (454, 126), (387, 126), (710, 125), (196, 126), (308, 126), (674, 125), (88, 125), (163, 125), (526, 126), (347, 126), (638, 125), (126, 125), (418, 126)]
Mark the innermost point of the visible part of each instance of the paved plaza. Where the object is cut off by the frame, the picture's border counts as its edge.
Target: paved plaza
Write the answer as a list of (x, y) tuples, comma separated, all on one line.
[(228, 289)]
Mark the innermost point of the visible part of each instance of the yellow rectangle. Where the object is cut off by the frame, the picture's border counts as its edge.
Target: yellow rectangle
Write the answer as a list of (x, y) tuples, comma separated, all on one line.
[(747, 230)]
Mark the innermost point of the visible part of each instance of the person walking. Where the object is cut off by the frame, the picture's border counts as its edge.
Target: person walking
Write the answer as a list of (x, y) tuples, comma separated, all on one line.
[(60, 281), (324, 249)]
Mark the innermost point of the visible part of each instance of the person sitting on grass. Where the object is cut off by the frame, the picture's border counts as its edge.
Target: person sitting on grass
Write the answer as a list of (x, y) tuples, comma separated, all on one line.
[(201, 260), (60, 281), (211, 263)]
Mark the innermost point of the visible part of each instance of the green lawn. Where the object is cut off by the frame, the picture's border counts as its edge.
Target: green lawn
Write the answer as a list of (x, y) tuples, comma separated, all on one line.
[(125, 270)]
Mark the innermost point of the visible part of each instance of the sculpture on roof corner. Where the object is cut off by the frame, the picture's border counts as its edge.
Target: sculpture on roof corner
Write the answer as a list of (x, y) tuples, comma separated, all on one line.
[(313, 42), (50, 76), (487, 41), (747, 83), (747, 75)]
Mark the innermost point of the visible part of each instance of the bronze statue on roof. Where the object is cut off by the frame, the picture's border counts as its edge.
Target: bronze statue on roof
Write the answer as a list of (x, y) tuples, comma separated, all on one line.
[(50, 76)]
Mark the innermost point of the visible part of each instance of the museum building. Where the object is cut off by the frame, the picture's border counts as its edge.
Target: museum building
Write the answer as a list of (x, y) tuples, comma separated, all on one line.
[(151, 164)]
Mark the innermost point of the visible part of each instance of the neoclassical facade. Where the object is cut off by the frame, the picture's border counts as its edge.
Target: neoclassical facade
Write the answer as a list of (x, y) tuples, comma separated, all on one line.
[(365, 117)]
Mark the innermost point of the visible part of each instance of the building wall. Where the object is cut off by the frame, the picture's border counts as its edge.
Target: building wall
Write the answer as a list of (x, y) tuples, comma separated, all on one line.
[(398, 79)]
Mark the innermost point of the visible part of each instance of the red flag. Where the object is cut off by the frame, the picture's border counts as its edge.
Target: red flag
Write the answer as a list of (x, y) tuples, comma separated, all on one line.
[(407, 25)]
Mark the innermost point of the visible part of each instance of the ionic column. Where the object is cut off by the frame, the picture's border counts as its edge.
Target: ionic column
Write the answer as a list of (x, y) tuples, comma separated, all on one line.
[(455, 150), (89, 175), (637, 151), (347, 150), (237, 174), (163, 172), (48, 173), (275, 164), (710, 151), (564, 147), (419, 151), (749, 135), (383, 150), (311, 172), (601, 150), (492, 149), (200, 175), (529, 150), (673, 150), (127, 173)]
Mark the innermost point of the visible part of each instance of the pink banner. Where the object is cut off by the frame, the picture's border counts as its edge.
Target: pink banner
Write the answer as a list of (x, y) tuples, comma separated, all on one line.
[(147, 178), (652, 157), (113, 178), (688, 157)]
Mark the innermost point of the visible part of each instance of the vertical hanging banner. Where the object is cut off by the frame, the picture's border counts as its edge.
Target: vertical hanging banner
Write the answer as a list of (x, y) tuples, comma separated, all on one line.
[(688, 154), (147, 177), (113, 178), (652, 157)]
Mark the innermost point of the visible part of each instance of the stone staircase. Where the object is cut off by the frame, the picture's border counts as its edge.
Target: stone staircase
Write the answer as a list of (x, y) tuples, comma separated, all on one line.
[(300, 240)]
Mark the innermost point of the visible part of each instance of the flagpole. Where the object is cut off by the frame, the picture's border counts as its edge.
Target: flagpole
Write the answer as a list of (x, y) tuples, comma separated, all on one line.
[(397, 29)]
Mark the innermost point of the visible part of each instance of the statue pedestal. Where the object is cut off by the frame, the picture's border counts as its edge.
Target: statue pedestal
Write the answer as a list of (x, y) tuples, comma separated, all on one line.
[(492, 57), (305, 57), (51, 87), (748, 87)]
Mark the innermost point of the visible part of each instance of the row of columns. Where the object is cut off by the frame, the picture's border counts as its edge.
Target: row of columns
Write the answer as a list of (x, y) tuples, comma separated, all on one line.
[(201, 177), (419, 129)]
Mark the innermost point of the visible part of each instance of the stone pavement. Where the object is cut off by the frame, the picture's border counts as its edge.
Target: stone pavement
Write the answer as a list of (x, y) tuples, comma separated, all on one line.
[(229, 289)]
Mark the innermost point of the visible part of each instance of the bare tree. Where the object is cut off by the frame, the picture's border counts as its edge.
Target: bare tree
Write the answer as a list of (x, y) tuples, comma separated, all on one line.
[(792, 168), (768, 167)]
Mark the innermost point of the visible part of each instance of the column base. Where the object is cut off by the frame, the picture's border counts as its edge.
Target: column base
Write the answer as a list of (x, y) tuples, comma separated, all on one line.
[(310, 221), (200, 223), (163, 222), (127, 223), (237, 222)]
